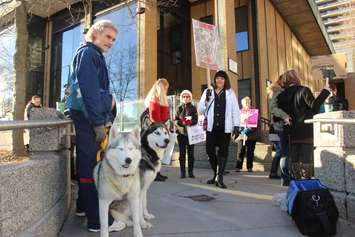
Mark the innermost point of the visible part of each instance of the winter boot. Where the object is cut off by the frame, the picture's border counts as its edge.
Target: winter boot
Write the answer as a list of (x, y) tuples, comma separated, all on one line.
[(182, 168), (191, 167), (213, 163), (221, 166)]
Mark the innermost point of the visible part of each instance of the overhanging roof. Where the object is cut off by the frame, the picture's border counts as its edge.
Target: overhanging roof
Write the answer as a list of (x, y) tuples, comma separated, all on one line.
[(305, 22), (42, 8)]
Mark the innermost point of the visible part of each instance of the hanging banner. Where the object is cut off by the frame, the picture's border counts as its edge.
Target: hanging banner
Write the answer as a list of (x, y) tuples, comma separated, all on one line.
[(206, 43)]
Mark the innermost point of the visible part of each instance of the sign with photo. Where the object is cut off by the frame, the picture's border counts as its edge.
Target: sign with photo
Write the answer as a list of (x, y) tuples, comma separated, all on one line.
[(206, 42), (249, 118)]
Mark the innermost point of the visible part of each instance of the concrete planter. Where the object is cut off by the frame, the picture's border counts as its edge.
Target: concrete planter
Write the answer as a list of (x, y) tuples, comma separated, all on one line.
[(35, 195), (334, 159)]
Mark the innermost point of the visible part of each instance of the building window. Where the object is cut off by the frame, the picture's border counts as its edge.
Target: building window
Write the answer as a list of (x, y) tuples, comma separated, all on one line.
[(207, 19), (121, 60), (241, 26), (244, 89), (64, 46), (7, 70)]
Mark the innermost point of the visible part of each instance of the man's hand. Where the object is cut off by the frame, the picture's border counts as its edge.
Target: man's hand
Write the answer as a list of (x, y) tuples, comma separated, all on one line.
[(100, 132), (108, 125)]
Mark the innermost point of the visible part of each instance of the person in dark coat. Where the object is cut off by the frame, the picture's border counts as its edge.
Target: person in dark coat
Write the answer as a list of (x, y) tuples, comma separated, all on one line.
[(94, 114), (298, 102), (335, 101), (186, 115)]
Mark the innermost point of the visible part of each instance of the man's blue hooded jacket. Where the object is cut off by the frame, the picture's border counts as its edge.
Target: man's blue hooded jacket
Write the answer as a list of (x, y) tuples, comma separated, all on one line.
[(90, 68)]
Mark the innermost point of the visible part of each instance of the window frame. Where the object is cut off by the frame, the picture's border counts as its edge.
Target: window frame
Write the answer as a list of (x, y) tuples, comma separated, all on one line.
[(247, 28)]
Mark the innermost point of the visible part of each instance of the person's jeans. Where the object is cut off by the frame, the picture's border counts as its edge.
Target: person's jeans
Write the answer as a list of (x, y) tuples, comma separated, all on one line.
[(276, 160)]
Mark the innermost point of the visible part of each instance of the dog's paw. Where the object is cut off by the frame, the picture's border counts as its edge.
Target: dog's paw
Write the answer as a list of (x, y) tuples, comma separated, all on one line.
[(117, 226), (149, 216), (146, 225), (129, 223)]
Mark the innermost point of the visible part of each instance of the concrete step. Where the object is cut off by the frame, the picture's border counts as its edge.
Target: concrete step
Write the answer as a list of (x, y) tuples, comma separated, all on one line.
[(262, 157)]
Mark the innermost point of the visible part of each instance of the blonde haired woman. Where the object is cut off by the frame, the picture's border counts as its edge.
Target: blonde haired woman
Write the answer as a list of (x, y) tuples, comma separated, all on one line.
[(248, 146), (157, 110), (157, 101)]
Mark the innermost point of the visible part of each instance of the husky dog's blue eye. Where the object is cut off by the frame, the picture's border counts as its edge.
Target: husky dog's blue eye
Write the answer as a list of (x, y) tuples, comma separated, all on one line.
[(121, 148), (157, 133)]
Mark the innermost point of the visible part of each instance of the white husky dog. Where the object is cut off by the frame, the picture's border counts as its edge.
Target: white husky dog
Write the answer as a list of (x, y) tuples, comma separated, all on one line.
[(117, 178), (154, 140)]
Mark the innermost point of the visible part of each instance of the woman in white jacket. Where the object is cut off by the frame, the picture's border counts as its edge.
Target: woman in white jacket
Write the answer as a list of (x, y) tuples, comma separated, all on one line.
[(222, 110)]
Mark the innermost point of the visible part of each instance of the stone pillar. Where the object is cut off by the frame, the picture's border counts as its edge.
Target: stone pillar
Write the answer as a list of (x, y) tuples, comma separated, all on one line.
[(48, 138), (20, 63), (147, 47), (334, 159), (225, 21)]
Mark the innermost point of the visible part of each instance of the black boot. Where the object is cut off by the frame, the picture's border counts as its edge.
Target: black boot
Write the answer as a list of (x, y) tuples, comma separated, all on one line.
[(213, 163), (182, 168), (221, 166), (220, 183), (160, 178), (191, 167)]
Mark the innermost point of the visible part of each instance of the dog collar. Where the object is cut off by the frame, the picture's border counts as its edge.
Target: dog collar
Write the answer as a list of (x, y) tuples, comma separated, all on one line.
[(127, 175)]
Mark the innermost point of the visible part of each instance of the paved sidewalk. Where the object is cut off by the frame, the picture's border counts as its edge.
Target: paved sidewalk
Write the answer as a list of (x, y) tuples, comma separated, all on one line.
[(244, 209)]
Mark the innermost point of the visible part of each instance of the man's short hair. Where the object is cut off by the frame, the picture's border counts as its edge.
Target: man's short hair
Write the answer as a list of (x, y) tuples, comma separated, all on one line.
[(99, 27)]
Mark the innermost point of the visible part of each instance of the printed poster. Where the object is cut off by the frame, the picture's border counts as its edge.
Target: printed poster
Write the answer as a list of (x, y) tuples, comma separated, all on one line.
[(195, 133), (249, 118), (206, 43)]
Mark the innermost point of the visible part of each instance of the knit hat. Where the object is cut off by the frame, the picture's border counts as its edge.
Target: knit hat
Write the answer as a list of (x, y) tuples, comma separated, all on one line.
[(185, 92)]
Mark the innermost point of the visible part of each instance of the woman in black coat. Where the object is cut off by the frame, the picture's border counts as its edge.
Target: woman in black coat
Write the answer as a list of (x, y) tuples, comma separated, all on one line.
[(186, 115), (298, 102)]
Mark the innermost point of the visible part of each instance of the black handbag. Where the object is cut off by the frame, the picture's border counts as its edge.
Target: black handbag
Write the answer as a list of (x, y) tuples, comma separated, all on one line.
[(312, 207)]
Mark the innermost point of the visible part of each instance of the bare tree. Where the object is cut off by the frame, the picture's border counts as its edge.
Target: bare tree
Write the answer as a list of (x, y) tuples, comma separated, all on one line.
[(121, 65)]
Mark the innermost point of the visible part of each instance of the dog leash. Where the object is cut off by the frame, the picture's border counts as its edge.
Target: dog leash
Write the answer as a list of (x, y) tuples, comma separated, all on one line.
[(103, 145)]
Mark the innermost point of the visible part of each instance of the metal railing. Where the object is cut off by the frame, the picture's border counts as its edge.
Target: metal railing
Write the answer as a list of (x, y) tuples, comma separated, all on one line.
[(324, 120), (129, 112), (32, 124), (23, 124)]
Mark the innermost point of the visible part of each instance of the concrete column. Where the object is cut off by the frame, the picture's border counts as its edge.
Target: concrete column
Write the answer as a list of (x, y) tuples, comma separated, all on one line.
[(334, 159), (20, 63), (225, 21), (147, 47)]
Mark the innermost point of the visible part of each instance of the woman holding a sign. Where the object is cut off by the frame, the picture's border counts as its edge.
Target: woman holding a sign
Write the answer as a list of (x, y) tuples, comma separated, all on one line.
[(186, 115), (221, 108), (248, 135)]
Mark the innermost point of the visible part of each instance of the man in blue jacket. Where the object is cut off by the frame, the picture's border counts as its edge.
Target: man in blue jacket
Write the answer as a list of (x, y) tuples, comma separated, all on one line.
[(93, 114)]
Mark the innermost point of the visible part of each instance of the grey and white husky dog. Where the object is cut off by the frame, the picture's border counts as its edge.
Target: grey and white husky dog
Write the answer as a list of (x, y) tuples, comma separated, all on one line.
[(117, 178), (125, 174)]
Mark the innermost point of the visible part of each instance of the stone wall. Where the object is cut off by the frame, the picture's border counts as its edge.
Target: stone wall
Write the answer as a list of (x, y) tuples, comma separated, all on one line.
[(334, 160), (34, 195)]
